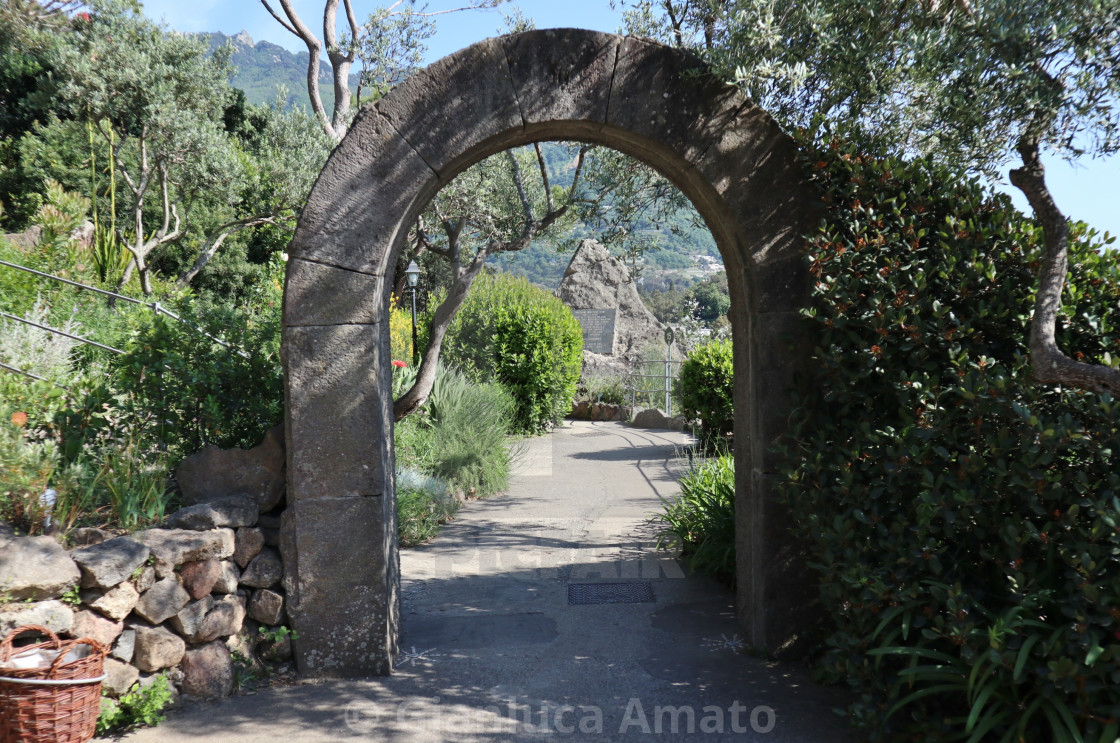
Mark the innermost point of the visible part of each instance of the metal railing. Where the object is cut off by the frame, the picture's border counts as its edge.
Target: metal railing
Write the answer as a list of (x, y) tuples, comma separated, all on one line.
[(652, 379)]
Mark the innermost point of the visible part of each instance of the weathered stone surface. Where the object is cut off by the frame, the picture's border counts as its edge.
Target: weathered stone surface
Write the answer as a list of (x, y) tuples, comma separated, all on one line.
[(267, 607), (146, 579), (173, 547), (125, 646), (108, 564), (87, 536), (562, 73), (651, 418), (93, 625), (354, 295), (189, 618), (595, 279), (35, 568), (333, 373), (228, 579), (265, 571), (121, 677), (54, 615), (199, 577), (234, 511), (115, 603), (213, 474), (247, 545), (157, 648), (162, 601), (208, 672), (224, 620)]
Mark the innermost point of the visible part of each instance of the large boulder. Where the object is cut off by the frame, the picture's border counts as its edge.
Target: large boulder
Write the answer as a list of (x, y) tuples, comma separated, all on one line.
[(35, 568), (110, 563), (596, 280), (215, 473), (54, 615), (174, 547)]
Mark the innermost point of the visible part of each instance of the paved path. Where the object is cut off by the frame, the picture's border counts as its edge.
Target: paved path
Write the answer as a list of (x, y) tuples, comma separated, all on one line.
[(495, 652)]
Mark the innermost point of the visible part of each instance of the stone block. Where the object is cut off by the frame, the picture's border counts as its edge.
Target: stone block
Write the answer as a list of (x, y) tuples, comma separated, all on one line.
[(87, 536), (265, 571), (157, 648), (125, 646), (162, 601), (35, 568), (174, 547), (109, 563), (267, 607), (782, 349), (316, 294), (208, 672), (189, 619), (146, 579), (228, 579), (199, 577), (121, 677), (337, 404), (234, 511), (247, 545), (562, 74), (341, 588), (115, 603), (224, 620), (96, 627), (214, 474), (54, 615)]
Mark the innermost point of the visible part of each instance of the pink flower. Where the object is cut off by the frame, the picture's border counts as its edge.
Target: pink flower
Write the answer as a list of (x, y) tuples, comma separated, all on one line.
[(399, 364)]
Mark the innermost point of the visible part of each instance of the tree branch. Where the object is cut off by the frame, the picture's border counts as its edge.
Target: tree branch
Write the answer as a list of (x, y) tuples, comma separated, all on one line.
[(279, 19)]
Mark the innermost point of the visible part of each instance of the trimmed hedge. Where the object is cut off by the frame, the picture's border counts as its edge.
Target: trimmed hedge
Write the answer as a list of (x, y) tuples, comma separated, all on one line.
[(964, 522), (512, 332), (705, 390)]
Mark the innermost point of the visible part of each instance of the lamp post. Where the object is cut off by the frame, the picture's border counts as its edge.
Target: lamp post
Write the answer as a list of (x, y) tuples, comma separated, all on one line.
[(412, 273)]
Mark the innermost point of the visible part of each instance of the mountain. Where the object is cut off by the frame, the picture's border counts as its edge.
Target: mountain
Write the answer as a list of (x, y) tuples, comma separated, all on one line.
[(261, 67)]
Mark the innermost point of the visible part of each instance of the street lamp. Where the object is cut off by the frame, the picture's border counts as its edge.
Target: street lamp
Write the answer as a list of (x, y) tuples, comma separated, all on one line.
[(412, 273)]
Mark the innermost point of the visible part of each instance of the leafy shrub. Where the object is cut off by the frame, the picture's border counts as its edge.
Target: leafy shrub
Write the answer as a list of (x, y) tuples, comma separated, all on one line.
[(423, 503), (142, 707), (962, 519), (400, 330), (514, 333), (702, 518), (704, 389), (604, 387)]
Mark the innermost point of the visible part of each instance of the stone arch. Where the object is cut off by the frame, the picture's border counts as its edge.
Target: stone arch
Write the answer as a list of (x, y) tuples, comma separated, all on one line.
[(647, 100)]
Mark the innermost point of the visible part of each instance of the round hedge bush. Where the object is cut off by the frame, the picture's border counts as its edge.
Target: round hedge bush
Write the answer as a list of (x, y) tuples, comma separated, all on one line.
[(522, 336), (704, 389)]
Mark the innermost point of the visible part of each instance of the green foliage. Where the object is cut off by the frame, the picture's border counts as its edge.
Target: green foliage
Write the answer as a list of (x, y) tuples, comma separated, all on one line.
[(704, 388), (142, 707), (702, 518), (603, 386), (523, 337), (198, 391), (711, 297), (423, 503), (935, 486)]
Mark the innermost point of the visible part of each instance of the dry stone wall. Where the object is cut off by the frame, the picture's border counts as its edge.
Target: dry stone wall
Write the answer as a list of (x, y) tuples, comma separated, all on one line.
[(176, 598)]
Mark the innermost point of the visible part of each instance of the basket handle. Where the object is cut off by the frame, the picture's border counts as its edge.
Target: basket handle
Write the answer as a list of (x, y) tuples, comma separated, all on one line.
[(6, 646), (60, 661)]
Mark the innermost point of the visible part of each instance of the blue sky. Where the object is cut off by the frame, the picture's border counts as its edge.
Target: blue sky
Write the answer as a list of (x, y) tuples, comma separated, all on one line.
[(1088, 191)]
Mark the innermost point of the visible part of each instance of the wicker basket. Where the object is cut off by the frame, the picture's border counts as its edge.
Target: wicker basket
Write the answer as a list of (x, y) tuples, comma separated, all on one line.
[(49, 691)]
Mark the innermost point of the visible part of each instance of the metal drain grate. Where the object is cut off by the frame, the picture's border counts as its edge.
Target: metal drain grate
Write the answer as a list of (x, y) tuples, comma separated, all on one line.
[(609, 593)]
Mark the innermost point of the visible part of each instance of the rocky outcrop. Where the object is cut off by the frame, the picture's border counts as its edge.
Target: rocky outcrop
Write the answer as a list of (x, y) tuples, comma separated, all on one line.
[(596, 280)]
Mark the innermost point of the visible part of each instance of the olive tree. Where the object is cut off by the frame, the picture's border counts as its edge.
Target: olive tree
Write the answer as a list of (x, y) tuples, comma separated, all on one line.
[(977, 83)]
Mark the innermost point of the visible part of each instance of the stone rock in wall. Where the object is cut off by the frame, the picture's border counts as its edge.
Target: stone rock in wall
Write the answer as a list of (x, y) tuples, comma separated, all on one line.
[(157, 648), (92, 625), (596, 280), (87, 536), (228, 579), (54, 615), (224, 620), (277, 650), (233, 511), (247, 545), (146, 579), (115, 603), (650, 418), (199, 577), (265, 571), (162, 601), (110, 563), (121, 677), (173, 547), (125, 646), (35, 568), (208, 672), (189, 618), (267, 607), (215, 473)]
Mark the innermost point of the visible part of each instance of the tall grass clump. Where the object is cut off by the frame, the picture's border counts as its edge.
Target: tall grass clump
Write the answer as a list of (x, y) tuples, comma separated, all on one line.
[(701, 519)]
